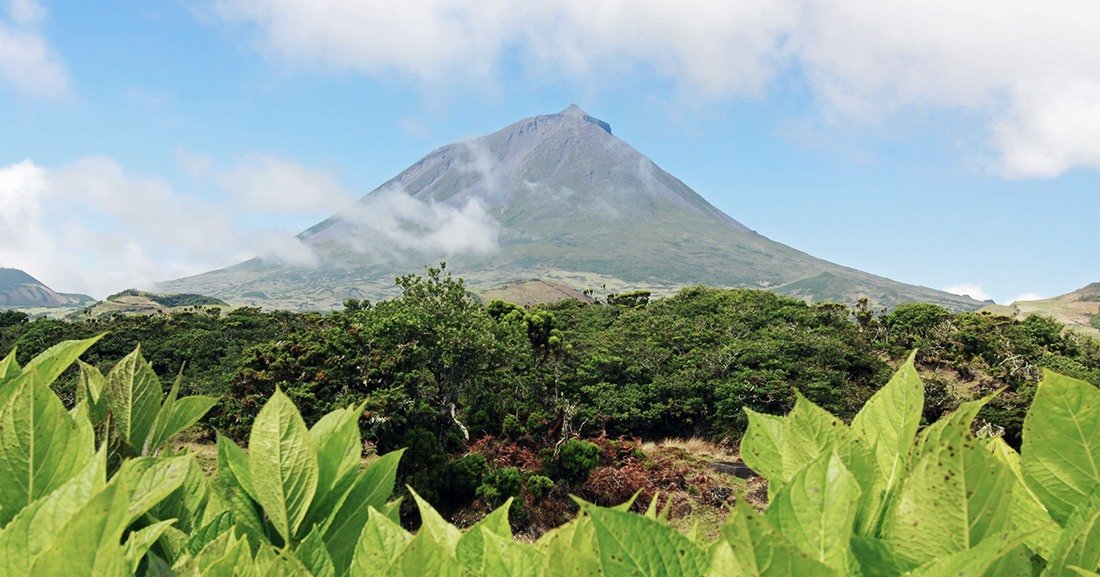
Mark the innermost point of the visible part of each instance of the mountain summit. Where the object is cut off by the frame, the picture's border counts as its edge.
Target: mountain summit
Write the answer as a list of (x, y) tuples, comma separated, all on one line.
[(21, 290), (556, 197)]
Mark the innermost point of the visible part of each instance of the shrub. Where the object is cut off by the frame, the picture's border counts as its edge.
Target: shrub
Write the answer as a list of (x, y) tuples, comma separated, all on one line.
[(539, 486), (577, 459)]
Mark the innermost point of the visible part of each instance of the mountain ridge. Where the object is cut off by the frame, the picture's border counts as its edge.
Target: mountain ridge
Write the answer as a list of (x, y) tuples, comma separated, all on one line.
[(561, 199), (18, 289)]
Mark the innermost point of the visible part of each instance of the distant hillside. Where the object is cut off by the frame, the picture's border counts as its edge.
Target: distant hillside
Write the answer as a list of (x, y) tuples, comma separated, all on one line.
[(554, 197), (135, 302), (531, 292), (1079, 310), (20, 290)]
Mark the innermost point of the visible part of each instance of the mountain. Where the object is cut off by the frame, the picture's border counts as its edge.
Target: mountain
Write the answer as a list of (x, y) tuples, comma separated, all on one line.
[(555, 197), (1078, 310), (21, 290)]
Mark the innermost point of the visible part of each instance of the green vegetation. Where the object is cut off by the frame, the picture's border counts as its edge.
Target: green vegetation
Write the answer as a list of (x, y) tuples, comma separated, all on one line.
[(881, 496), (172, 300), (470, 389)]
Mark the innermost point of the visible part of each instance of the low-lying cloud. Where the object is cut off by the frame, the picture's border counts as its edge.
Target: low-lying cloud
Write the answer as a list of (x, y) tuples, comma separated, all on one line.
[(1029, 72), (91, 226), (391, 224)]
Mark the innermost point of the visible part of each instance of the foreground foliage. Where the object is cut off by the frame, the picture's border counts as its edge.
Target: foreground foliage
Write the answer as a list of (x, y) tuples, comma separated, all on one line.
[(97, 490)]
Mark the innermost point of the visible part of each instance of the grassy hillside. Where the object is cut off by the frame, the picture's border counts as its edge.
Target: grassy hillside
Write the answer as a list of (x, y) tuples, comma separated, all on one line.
[(1078, 310)]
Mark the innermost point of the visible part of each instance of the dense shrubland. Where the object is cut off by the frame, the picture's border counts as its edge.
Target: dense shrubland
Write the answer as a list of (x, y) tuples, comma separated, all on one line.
[(97, 488), (487, 399)]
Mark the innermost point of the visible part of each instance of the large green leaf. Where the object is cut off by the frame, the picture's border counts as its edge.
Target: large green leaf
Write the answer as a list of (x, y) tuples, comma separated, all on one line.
[(9, 368), (283, 464), (817, 511), (90, 543), (889, 422), (378, 547), (755, 549), (175, 416), (973, 562), (336, 437), (53, 361), (1080, 543), (1028, 514), (570, 550), (89, 389), (435, 526), (762, 445), (503, 556), (955, 497), (233, 462), (133, 395), (371, 490), (151, 480), (34, 529), (955, 424), (314, 556), (41, 446), (632, 545), (1060, 456), (471, 547)]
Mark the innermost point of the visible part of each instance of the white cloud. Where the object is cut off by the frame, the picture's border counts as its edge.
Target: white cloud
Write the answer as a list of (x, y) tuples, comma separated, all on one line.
[(392, 223), (90, 226), (1029, 71), (1026, 297), (266, 183), (27, 61), (971, 290)]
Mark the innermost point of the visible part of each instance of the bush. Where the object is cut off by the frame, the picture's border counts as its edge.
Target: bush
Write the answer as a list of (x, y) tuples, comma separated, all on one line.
[(512, 428), (539, 486), (577, 459)]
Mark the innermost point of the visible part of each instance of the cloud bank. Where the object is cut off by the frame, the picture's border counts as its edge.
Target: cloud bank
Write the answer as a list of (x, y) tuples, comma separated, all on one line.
[(1030, 72), (90, 226), (27, 61)]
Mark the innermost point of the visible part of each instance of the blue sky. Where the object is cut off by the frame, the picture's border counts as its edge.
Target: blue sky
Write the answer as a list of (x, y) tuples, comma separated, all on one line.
[(143, 141)]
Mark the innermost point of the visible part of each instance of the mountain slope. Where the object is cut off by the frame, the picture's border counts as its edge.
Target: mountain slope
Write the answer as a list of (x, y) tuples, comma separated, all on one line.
[(21, 290), (556, 197), (1078, 310)]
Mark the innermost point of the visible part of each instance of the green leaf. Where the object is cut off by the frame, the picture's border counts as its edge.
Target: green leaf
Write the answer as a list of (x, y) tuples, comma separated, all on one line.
[(233, 461), (1080, 542), (570, 549), (209, 532), (371, 490), (53, 361), (151, 480), (41, 446), (952, 426), (339, 448), (283, 464), (631, 545), (1060, 456), (187, 503), (955, 497), (9, 368), (175, 416), (762, 445), (471, 546), (89, 388), (89, 544), (139, 542), (435, 526), (875, 558), (314, 556), (889, 422), (503, 556), (757, 550), (974, 562), (817, 511), (133, 395), (35, 528), (378, 548), (1028, 514)]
